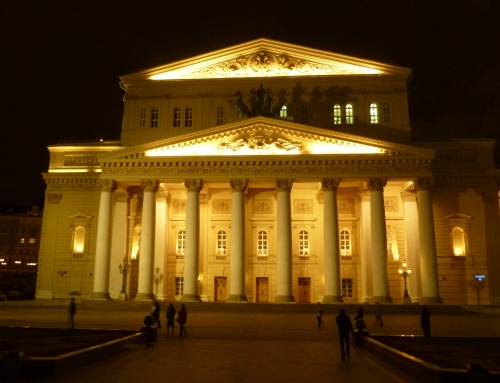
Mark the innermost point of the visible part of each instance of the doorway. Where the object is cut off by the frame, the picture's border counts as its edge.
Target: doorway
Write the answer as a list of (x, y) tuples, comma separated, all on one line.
[(262, 287), (304, 290), (220, 294)]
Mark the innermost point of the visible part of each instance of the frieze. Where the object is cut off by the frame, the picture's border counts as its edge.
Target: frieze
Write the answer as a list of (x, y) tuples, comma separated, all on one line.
[(72, 184), (461, 182), (456, 156), (303, 206), (391, 204), (221, 206), (263, 206), (345, 206), (179, 206), (81, 160)]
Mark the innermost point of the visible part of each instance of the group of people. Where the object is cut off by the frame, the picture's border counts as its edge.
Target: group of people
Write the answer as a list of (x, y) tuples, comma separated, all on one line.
[(170, 316)]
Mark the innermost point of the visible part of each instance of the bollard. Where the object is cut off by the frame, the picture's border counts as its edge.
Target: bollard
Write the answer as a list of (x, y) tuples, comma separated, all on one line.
[(150, 332), (477, 373)]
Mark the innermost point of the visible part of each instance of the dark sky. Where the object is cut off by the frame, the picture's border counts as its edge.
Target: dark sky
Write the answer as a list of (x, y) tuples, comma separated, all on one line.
[(60, 62)]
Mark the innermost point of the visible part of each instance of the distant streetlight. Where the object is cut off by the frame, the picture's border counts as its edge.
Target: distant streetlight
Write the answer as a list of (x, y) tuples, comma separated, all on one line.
[(405, 272)]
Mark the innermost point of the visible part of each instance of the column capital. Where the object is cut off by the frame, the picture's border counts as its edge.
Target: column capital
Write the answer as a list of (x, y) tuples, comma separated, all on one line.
[(424, 183), (409, 196), (54, 197), (330, 184), (120, 196), (107, 185), (239, 185), (150, 185), (193, 185), (284, 185), (377, 183)]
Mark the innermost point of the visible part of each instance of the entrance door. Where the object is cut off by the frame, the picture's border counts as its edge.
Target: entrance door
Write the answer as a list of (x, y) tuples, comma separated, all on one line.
[(220, 289), (262, 290), (304, 290)]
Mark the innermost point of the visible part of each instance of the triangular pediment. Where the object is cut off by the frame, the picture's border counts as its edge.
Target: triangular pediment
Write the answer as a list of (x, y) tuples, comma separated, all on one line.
[(262, 136), (265, 58)]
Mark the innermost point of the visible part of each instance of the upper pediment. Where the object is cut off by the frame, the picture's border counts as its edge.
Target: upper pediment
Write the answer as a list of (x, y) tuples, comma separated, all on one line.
[(265, 58), (262, 136)]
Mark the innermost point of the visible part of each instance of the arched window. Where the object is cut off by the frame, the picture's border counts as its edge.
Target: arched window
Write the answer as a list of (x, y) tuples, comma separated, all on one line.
[(80, 228), (386, 111), (181, 243), (155, 114), (283, 111), (337, 114), (262, 244), (142, 117), (79, 240), (188, 121), (349, 114), (177, 118), (458, 242), (219, 117), (459, 226), (345, 243), (221, 242), (373, 113), (304, 245)]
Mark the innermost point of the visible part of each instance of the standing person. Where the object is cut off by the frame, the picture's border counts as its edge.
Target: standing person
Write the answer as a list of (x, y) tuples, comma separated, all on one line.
[(378, 314), (182, 319), (170, 314), (155, 312), (345, 329), (425, 321), (72, 311), (319, 314), (360, 314)]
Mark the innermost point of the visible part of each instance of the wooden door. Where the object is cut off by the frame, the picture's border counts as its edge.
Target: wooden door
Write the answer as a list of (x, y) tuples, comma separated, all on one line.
[(220, 289), (304, 290), (262, 287)]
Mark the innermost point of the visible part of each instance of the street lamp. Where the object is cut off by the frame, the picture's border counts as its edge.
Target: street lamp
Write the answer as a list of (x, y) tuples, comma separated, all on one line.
[(124, 269), (405, 272)]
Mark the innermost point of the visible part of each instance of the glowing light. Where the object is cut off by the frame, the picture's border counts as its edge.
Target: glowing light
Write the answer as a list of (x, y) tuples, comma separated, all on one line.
[(75, 170)]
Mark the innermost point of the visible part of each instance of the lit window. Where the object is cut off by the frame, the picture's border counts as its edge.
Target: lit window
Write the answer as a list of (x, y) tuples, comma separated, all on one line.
[(22, 240), (188, 122), (349, 114), (262, 243), (179, 285), (304, 246), (345, 243), (337, 115), (79, 240), (177, 117), (386, 110), (181, 242), (373, 113), (459, 226), (283, 111), (458, 241), (303, 113), (80, 228), (32, 240), (346, 287), (219, 119), (142, 118), (221, 242), (154, 117)]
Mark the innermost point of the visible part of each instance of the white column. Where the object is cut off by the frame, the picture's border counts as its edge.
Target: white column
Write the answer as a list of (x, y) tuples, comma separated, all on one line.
[(237, 291), (284, 243), (161, 236), (332, 293), (379, 241), (192, 250), (366, 251), (118, 243), (428, 255), (412, 244), (103, 241), (147, 246)]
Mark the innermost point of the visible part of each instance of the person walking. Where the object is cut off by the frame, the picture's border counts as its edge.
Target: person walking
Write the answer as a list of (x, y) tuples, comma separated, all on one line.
[(319, 314), (345, 330), (425, 321), (182, 319), (72, 311), (378, 314), (170, 314), (155, 312)]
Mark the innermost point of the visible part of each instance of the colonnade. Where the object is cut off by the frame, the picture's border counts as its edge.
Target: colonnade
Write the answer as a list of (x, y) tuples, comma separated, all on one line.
[(374, 256)]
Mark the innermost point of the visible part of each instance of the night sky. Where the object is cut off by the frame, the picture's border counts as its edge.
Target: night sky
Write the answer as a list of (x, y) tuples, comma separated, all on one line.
[(60, 62)]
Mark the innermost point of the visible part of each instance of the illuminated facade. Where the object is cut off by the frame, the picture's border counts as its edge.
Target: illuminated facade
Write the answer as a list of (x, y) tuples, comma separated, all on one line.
[(270, 172)]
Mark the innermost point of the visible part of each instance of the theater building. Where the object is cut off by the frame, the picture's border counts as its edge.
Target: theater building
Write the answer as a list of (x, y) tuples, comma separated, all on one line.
[(271, 172)]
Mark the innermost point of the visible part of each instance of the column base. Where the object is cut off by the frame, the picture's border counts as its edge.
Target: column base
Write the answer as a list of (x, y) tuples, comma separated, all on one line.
[(101, 296), (332, 299), (144, 297), (122, 297), (190, 298), (44, 294), (236, 298), (284, 299), (382, 299), (407, 300), (431, 300)]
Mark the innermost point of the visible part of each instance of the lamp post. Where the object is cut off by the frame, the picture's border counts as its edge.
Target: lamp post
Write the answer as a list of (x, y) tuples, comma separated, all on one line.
[(124, 270), (405, 272)]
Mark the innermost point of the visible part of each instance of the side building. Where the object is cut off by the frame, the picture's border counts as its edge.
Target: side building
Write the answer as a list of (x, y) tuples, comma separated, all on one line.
[(271, 172)]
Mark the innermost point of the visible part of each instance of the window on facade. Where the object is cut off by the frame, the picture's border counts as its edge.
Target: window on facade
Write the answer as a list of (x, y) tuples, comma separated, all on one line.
[(79, 240), (80, 227), (142, 118), (304, 245), (32, 240), (22, 240), (345, 243), (303, 113), (188, 122), (179, 285), (219, 118), (337, 114), (346, 287), (181, 242), (262, 244), (458, 241), (154, 117), (349, 114), (283, 111), (221, 242), (386, 112), (177, 118), (373, 113)]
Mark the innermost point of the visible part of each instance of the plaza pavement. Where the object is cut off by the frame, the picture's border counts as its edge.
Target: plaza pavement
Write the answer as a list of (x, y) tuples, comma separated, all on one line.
[(244, 342)]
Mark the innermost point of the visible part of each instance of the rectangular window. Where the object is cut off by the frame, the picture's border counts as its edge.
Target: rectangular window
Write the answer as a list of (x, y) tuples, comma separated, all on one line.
[(32, 240), (346, 287), (142, 118), (373, 114), (154, 117), (220, 116), (177, 118), (181, 243), (179, 285), (262, 244), (386, 112), (22, 240), (349, 114), (188, 122)]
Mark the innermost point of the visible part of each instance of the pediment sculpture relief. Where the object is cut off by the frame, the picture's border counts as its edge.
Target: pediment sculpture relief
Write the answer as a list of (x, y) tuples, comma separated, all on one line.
[(260, 144), (262, 102)]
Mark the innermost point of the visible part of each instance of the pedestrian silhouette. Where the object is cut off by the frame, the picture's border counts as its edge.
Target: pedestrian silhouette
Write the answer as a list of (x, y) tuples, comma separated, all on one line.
[(319, 314), (72, 311), (345, 329), (170, 314), (378, 314), (182, 319), (155, 312), (425, 321)]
